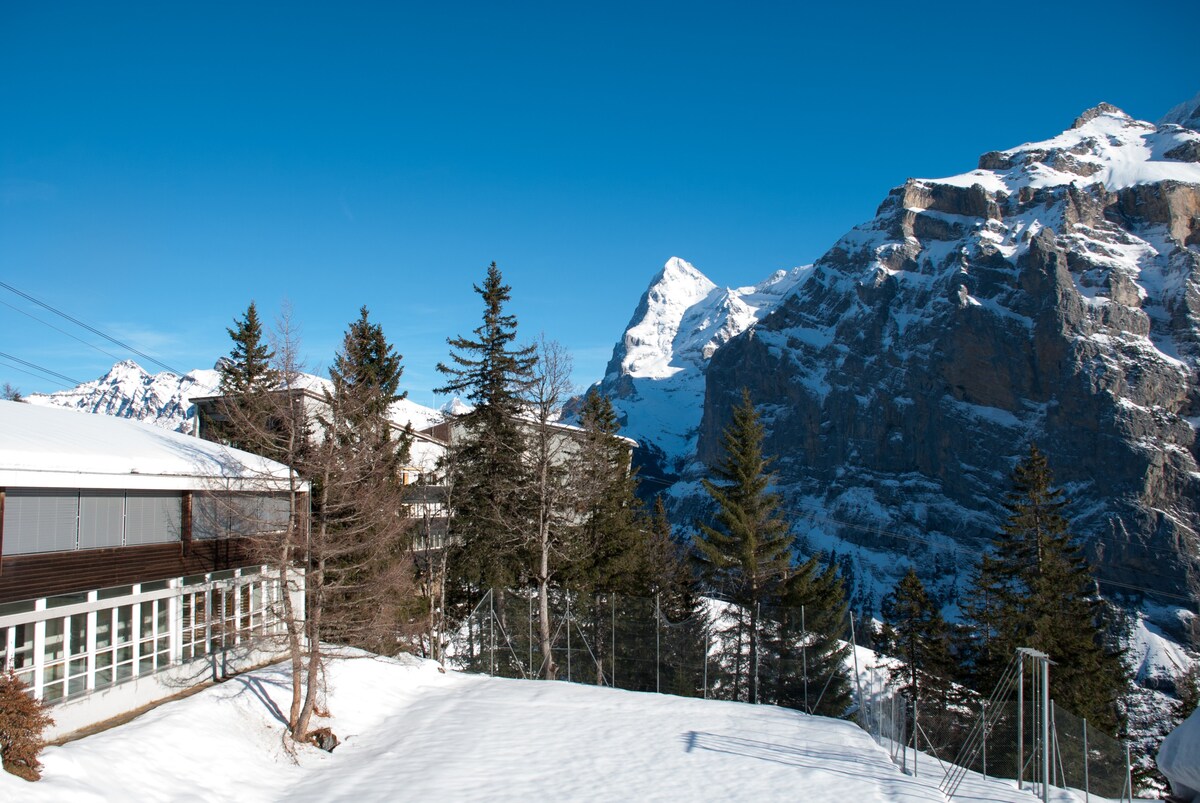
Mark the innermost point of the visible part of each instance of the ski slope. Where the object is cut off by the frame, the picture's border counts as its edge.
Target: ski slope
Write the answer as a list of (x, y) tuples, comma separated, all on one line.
[(410, 731)]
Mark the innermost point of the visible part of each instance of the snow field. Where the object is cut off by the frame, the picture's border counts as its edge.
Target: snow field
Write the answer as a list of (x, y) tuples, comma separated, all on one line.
[(410, 731)]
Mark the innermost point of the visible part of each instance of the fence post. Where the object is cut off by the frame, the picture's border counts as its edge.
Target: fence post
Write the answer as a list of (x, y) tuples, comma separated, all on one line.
[(1045, 666), (1128, 775), (754, 646), (854, 652), (1021, 723), (985, 735), (612, 598), (804, 659), (1087, 792), (492, 630), (657, 648), (916, 730), (704, 658), (568, 637), (529, 619)]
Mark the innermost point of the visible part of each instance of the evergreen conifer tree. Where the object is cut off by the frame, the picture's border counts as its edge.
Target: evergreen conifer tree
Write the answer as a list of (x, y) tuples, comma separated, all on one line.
[(358, 494), (746, 552), (491, 505), (1036, 590), (246, 415), (921, 642)]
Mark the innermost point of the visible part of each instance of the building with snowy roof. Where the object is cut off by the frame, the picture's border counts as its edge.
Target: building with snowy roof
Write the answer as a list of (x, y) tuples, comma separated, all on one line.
[(127, 567)]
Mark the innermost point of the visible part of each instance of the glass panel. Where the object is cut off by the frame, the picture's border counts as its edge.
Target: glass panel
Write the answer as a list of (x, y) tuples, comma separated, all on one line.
[(163, 610), (118, 591), (104, 659), (37, 520), (25, 606), (56, 640), (104, 677), (79, 634), (103, 629), (53, 672), (52, 691), (146, 664), (101, 518), (124, 624), (22, 647), (66, 599), (147, 619), (157, 585), (152, 517), (77, 685)]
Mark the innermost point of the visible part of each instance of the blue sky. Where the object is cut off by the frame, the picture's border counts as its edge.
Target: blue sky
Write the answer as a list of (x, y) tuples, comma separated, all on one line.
[(163, 164)]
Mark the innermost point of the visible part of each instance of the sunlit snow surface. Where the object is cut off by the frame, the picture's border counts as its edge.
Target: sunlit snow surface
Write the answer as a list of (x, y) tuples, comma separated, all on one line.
[(411, 732)]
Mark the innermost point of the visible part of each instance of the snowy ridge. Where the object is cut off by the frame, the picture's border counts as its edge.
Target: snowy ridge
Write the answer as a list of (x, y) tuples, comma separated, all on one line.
[(656, 376), (165, 399), (1105, 146), (128, 391)]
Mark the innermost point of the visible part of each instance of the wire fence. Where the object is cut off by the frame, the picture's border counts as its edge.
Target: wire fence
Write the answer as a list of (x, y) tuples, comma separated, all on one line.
[(779, 656)]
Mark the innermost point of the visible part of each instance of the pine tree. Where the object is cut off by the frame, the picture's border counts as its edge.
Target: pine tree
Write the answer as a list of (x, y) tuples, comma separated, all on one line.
[(1036, 590), (746, 553), (491, 506), (248, 369), (246, 415), (612, 531), (921, 640), (358, 494)]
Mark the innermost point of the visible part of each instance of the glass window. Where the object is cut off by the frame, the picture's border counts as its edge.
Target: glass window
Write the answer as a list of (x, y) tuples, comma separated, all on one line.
[(101, 518), (152, 517), (40, 520)]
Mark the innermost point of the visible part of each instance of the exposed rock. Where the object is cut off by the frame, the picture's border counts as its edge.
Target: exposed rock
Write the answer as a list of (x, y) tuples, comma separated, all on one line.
[(976, 314)]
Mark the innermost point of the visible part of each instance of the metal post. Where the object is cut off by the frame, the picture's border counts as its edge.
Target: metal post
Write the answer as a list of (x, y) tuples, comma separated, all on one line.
[(985, 735), (704, 658), (755, 645), (612, 600), (1128, 774), (1021, 723), (568, 638), (916, 730), (804, 659), (854, 652), (1087, 792), (657, 649), (1045, 662), (529, 618), (492, 629)]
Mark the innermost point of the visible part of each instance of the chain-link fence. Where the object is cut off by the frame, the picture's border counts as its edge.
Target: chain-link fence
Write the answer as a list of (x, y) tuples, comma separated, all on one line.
[(792, 658)]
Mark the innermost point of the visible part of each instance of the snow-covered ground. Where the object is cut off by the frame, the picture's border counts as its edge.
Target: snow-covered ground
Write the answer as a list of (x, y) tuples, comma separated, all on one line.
[(410, 731)]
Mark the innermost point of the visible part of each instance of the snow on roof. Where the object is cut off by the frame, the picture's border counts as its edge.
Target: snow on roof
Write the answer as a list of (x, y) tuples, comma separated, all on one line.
[(50, 447)]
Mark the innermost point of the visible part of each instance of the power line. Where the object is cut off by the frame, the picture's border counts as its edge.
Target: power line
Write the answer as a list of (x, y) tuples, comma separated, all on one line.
[(37, 367), (91, 329), (62, 331)]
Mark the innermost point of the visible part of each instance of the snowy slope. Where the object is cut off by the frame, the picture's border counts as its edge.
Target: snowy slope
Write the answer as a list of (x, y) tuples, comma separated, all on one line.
[(412, 732), (656, 376)]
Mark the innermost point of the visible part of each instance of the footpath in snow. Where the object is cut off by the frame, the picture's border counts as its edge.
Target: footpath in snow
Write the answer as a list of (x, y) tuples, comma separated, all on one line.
[(411, 732)]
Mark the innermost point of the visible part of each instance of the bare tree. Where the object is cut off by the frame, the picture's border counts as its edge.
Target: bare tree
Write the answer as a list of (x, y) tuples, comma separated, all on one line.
[(549, 449)]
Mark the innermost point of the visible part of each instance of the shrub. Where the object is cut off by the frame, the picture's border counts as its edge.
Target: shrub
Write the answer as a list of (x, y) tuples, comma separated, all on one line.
[(22, 720)]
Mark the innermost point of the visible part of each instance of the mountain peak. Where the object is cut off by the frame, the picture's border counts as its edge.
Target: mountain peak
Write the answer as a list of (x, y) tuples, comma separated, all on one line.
[(1186, 114), (1096, 111)]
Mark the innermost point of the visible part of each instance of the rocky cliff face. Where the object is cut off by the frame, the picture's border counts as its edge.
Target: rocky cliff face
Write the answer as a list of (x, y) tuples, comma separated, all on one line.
[(1053, 296)]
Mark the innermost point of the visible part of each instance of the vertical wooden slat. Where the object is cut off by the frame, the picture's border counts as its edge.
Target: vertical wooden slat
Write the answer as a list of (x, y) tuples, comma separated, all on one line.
[(185, 526)]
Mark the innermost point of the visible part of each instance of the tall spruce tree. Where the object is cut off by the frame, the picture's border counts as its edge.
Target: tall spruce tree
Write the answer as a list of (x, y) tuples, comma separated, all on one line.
[(491, 505), (1036, 590), (746, 552), (248, 369), (358, 494), (920, 642), (246, 416)]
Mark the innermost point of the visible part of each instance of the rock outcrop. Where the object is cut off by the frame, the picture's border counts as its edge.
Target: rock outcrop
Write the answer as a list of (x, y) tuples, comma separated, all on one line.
[(1053, 296)]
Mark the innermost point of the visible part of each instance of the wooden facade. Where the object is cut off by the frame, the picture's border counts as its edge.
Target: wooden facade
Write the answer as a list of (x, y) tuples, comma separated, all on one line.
[(50, 573)]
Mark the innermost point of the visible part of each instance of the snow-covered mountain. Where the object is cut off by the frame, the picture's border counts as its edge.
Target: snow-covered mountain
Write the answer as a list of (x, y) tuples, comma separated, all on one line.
[(129, 391), (165, 399), (656, 375)]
